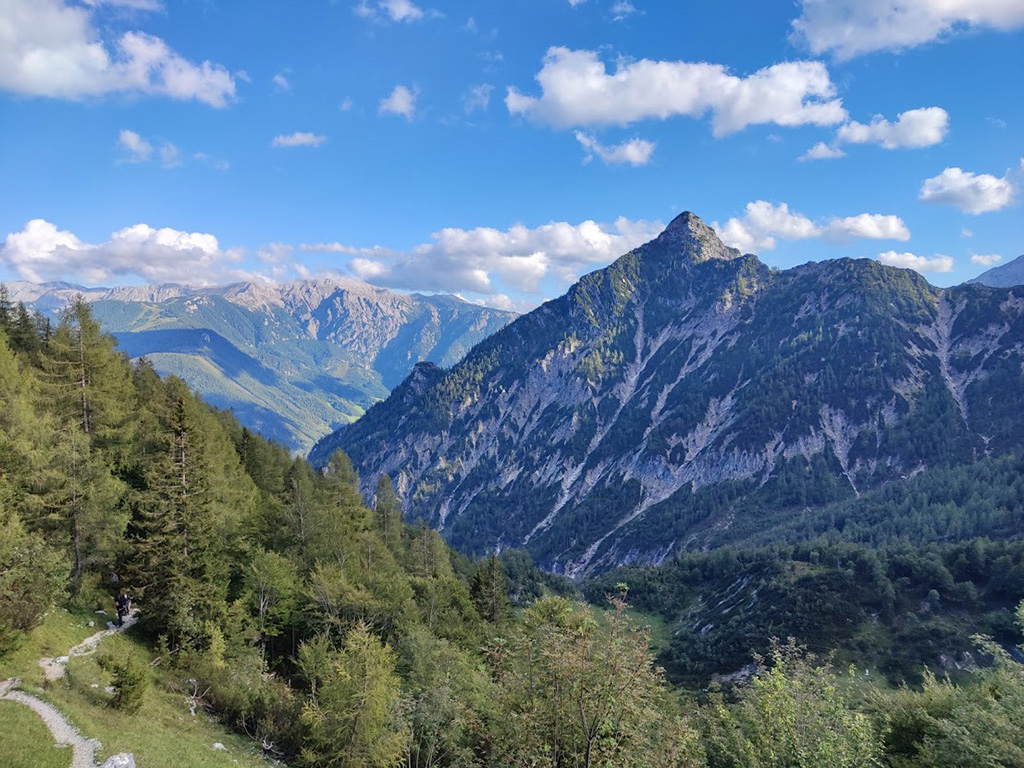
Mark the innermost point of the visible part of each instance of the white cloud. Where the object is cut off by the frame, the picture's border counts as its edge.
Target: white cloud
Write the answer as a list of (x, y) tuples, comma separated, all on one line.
[(913, 128), (870, 226), (401, 101), (281, 83), (298, 139), (850, 28), (938, 263), (52, 49), (139, 150), (574, 3), (822, 151), (42, 252), (138, 5), (763, 222), (577, 90), (989, 260), (633, 151), (477, 260), (170, 157), (478, 97), (395, 10), (970, 192), (402, 10), (622, 9), (965, 232), (346, 105)]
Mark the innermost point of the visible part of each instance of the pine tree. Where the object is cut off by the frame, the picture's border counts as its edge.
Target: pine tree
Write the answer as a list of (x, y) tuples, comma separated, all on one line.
[(174, 560), (388, 514), (490, 591), (6, 310)]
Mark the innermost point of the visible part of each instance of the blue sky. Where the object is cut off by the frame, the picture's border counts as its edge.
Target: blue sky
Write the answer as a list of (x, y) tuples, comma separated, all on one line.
[(500, 150)]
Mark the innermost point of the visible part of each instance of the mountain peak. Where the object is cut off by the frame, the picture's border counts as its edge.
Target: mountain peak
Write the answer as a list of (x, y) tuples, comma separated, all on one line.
[(688, 232)]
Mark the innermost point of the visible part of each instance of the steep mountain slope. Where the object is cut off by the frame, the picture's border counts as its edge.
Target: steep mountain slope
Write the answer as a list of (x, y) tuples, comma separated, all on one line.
[(616, 423), (1004, 276), (293, 360)]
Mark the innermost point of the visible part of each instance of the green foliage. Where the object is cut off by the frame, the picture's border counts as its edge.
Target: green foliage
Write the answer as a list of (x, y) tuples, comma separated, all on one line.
[(490, 591), (354, 720), (32, 578), (574, 693), (791, 715), (129, 677)]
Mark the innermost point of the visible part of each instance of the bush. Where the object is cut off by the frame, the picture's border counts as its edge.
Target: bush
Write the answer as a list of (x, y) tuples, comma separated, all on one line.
[(130, 679)]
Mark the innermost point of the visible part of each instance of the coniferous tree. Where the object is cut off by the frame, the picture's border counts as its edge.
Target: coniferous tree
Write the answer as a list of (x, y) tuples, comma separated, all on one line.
[(354, 721), (387, 511), (490, 591)]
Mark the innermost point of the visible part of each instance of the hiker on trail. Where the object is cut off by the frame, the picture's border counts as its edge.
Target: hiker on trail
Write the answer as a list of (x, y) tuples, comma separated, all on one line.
[(123, 603)]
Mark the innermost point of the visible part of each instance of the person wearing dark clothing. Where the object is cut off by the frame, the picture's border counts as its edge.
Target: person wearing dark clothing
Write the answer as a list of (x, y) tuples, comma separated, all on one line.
[(123, 603)]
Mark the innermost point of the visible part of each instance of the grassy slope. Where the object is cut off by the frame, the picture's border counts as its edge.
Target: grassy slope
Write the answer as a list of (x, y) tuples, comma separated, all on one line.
[(162, 733), (26, 743)]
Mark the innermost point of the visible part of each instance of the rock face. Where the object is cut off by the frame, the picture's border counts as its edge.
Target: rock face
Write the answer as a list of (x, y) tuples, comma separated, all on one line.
[(293, 360), (610, 425), (1005, 276)]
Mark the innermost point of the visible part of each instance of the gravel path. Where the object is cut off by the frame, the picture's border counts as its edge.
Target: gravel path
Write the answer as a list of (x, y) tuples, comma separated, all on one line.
[(64, 733)]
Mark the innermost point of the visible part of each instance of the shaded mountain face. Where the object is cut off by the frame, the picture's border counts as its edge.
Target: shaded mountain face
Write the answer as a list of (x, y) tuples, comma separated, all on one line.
[(627, 418), (295, 360), (1004, 276)]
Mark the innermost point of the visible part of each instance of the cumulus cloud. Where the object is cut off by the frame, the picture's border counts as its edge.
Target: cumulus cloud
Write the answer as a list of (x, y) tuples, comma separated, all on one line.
[(136, 148), (632, 152), (52, 49), (763, 222), (577, 90), (479, 260), (822, 151), (298, 139), (41, 251), (989, 260), (849, 28), (970, 192), (913, 128), (937, 263), (401, 101)]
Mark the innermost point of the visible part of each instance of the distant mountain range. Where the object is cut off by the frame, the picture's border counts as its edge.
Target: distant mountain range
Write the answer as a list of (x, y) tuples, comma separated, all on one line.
[(293, 361), (687, 390), (1004, 276)]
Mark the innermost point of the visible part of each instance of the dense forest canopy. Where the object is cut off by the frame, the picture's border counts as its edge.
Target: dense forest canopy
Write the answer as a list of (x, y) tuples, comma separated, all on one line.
[(336, 634)]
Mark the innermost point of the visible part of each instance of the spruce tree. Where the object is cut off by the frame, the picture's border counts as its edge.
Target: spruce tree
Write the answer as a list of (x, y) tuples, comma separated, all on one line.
[(490, 591)]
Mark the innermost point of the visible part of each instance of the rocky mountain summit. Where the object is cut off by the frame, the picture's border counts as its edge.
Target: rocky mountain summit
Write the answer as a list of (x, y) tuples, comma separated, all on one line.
[(633, 415), (293, 360)]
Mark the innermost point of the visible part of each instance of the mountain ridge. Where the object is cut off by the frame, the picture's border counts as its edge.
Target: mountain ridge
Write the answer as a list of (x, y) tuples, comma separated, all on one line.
[(601, 428), (333, 345)]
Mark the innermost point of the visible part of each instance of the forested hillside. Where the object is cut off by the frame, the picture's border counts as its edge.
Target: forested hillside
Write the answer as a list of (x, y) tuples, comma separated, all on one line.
[(334, 634)]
